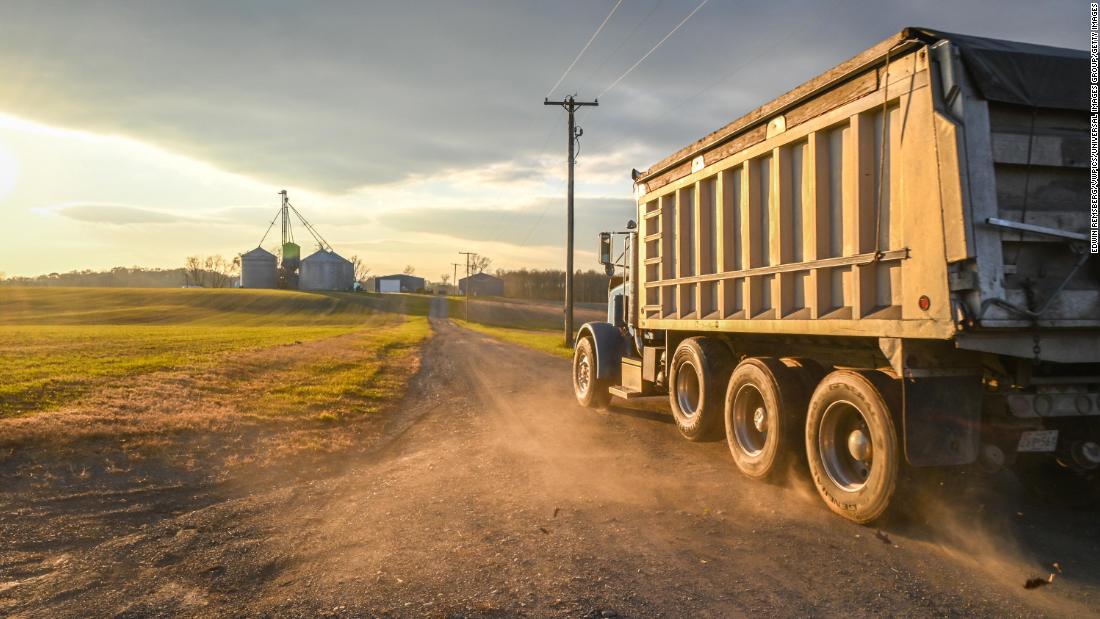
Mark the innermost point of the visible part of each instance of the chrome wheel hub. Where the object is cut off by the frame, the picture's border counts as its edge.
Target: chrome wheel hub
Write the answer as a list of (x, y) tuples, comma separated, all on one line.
[(584, 372), (859, 446), (760, 420), (845, 447), (750, 420)]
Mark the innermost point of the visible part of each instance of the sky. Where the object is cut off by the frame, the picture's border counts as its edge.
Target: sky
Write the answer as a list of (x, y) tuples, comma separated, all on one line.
[(139, 133)]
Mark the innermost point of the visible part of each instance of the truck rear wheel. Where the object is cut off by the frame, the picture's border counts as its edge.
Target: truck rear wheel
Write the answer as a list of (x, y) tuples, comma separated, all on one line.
[(590, 391), (765, 404), (697, 379), (852, 443)]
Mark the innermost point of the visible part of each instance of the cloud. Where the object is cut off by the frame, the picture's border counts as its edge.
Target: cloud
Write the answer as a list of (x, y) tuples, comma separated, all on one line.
[(539, 223), (346, 94), (115, 214)]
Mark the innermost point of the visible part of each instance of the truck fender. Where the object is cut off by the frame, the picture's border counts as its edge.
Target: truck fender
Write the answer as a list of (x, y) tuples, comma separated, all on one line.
[(608, 343)]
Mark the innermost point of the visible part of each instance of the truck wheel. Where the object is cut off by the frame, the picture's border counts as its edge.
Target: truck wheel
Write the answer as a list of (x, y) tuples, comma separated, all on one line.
[(590, 391), (697, 377), (852, 443), (765, 404)]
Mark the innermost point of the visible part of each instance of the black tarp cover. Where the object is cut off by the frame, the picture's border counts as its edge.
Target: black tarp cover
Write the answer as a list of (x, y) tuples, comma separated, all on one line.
[(1021, 73)]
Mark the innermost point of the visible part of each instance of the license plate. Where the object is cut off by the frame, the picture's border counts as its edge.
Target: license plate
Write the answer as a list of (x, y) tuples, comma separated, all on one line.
[(1038, 441)]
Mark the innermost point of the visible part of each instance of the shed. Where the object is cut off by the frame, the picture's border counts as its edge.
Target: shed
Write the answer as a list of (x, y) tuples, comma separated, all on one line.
[(399, 283), (326, 270), (258, 269), (482, 285)]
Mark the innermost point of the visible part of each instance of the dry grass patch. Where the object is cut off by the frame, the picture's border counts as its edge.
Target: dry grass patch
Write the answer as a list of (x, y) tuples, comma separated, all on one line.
[(59, 344)]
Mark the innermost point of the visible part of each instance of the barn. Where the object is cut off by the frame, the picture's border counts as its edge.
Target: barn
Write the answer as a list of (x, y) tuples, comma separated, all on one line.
[(399, 283), (482, 285)]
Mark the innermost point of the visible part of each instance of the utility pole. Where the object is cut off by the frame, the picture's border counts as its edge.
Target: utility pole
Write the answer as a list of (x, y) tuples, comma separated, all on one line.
[(570, 104), (468, 254), (454, 277)]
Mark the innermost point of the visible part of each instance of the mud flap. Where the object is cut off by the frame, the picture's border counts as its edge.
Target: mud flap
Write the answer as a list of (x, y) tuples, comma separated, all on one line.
[(942, 420)]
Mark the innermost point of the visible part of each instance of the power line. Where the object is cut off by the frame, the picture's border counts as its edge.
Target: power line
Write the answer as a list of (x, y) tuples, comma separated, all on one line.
[(595, 72), (584, 49), (653, 49)]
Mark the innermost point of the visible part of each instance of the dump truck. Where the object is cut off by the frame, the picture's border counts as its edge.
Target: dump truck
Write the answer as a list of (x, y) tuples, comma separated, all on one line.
[(887, 268)]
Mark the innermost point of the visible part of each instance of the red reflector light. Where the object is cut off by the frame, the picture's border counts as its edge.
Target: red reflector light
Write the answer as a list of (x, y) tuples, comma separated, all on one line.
[(924, 302)]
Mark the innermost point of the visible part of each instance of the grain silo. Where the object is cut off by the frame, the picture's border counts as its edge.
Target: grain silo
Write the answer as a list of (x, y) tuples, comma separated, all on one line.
[(326, 270), (258, 269)]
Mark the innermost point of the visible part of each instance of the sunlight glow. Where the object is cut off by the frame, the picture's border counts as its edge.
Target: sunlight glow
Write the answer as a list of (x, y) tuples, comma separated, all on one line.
[(9, 172)]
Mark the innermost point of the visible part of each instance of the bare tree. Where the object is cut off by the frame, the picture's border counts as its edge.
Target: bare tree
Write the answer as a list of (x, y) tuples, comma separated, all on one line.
[(192, 269), (409, 270), (445, 278), (218, 271), (479, 263), (361, 270), (210, 271)]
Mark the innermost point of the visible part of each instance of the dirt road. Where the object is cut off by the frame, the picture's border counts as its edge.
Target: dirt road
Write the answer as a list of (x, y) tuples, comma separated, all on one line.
[(494, 494)]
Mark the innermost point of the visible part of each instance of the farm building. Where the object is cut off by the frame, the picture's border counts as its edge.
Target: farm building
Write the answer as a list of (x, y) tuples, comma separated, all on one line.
[(326, 270), (399, 283), (482, 285), (258, 269)]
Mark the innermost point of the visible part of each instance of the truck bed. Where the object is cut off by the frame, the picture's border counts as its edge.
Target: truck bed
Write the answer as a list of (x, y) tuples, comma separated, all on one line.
[(881, 199)]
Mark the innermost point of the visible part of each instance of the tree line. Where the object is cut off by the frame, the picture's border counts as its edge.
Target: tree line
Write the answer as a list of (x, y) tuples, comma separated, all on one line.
[(205, 271), (118, 277), (549, 285), (217, 272)]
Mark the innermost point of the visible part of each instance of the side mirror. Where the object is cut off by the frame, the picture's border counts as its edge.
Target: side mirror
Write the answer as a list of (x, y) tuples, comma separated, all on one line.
[(605, 249)]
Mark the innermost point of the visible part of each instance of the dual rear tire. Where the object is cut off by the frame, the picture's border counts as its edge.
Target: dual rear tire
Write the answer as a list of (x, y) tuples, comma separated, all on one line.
[(765, 407), (774, 411), (697, 378)]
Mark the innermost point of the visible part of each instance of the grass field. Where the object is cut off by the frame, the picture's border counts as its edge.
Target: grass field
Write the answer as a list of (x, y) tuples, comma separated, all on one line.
[(538, 339), (522, 314), (533, 324), (57, 344)]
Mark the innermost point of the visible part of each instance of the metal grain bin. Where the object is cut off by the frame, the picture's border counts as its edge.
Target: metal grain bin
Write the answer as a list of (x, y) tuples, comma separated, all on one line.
[(326, 270), (258, 269)]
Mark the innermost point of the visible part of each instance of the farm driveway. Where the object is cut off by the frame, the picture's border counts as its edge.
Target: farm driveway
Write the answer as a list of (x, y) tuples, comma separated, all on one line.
[(496, 495)]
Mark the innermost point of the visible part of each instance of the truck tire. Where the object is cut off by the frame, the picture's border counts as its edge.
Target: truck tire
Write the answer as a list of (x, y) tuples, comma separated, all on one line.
[(808, 372), (852, 443), (697, 379), (765, 408), (590, 391)]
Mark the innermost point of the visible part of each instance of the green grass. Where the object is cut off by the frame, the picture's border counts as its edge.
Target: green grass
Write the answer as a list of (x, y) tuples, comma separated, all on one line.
[(175, 306), (59, 343), (537, 339), (359, 382)]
